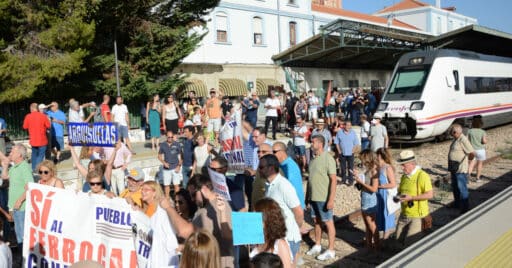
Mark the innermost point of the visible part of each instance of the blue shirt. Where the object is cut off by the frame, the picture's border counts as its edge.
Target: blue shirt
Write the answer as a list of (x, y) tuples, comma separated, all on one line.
[(292, 173), (170, 152), (347, 141), (57, 129), (3, 125), (188, 152), (251, 111)]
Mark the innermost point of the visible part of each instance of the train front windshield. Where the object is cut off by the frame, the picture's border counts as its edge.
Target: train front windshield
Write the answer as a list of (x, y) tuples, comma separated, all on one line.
[(407, 84)]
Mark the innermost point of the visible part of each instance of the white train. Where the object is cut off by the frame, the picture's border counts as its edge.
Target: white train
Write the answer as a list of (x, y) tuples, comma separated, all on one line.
[(430, 90)]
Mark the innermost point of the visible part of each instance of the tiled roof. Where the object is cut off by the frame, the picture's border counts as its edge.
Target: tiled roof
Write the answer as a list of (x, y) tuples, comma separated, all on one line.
[(360, 16), (405, 4)]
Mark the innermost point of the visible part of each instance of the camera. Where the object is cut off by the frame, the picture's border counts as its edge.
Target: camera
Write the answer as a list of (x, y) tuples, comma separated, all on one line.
[(358, 186), (397, 197)]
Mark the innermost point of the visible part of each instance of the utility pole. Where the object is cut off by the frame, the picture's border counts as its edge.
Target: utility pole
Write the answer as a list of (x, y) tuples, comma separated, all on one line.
[(117, 69)]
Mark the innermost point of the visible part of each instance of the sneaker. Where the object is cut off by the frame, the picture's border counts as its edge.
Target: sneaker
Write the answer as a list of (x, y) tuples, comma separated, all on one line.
[(316, 249), (327, 255)]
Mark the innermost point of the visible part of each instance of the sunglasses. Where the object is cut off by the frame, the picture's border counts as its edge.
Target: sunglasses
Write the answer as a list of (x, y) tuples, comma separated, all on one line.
[(275, 151), (95, 183), (216, 168), (45, 172)]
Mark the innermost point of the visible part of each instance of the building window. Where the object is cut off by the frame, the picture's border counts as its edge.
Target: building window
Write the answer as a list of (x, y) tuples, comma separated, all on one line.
[(293, 33), (353, 83), (221, 24), (257, 26)]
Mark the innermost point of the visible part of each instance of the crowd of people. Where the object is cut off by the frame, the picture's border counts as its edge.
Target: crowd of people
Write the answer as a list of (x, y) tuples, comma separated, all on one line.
[(192, 221)]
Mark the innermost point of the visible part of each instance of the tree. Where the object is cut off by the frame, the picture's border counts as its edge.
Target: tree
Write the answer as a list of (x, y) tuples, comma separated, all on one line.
[(42, 44), (62, 46)]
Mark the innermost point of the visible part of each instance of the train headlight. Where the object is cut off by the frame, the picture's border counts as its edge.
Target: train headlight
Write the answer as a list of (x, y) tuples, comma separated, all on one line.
[(382, 106), (417, 105), (416, 61)]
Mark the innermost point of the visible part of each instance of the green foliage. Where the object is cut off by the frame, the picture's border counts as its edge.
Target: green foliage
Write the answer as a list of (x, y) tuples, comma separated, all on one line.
[(57, 46)]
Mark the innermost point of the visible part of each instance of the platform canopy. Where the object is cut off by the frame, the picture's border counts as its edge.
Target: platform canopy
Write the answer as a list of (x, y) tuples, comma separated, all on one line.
[(346, 44), (349, 44)]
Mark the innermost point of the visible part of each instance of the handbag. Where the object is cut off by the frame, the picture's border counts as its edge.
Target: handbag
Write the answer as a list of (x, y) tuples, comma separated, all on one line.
[(390, 203)]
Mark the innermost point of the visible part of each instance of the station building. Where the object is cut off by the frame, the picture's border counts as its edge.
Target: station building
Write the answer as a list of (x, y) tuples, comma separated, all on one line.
[(256, 44)]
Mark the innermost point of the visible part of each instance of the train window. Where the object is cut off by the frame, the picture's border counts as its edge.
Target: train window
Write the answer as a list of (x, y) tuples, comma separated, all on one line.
[(407, 84), (480, 85)]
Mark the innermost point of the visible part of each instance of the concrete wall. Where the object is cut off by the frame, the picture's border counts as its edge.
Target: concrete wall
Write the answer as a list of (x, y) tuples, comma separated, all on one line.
[(211, 73)]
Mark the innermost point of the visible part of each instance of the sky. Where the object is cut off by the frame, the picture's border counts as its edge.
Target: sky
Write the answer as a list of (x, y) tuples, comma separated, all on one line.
[(495, 14)]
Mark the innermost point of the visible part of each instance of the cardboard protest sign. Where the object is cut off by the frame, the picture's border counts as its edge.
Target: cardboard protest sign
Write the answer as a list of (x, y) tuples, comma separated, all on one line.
[(97, 134), (247, 228), (220, 185), (231, 141), (63, 227)]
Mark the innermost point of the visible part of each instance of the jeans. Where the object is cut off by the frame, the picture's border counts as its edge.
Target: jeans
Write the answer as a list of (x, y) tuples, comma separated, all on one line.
[(37, 156), (185, 170), (365, 143), (253, 119), (356, 113), (19, 223), (460, 191), (274, 125), (347, 164)]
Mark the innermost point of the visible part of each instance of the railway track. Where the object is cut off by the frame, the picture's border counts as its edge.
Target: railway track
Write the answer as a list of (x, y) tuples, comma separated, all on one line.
[(349, 246)]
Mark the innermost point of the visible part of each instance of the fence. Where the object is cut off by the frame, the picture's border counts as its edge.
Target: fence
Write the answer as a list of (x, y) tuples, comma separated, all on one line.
[(14, 113)]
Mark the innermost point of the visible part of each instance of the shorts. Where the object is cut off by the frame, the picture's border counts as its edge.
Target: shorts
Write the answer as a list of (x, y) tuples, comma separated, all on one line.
[(58, 142), (170, 176), (330, 111), (313, 113), (480, 155), (300, 150), (318, 209), (214, 124), (122, 132)]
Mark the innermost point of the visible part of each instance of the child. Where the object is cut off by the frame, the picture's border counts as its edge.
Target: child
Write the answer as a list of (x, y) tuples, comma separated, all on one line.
[(196, 119)]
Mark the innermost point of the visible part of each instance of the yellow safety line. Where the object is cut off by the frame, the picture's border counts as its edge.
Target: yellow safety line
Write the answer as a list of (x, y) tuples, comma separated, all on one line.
[(499, 254)]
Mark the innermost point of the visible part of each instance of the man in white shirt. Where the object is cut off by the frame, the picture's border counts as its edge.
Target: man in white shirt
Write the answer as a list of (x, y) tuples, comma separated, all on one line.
[(121, 116), (283, 192), (272, 104)]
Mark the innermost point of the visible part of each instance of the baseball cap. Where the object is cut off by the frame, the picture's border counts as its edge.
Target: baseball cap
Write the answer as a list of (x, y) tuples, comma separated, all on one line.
[(41, 106), (135, 173)]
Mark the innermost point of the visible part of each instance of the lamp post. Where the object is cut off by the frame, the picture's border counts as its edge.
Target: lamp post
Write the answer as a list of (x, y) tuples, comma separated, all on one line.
[(117, 69)]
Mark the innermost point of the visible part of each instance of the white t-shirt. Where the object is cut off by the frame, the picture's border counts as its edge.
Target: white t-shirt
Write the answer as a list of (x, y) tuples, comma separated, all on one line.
[(74, 117), (201, 155), (196, 119), (119, 112), (313, 102), (163, 248), (365, 129), (283, 192), (274, 103), (5, 255), (300, 141)]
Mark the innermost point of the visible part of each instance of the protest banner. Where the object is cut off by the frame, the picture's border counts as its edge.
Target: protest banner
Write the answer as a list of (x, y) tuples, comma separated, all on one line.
[(63, 227), (247, 228), (220, 185), (231, 142), (97, 134)]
